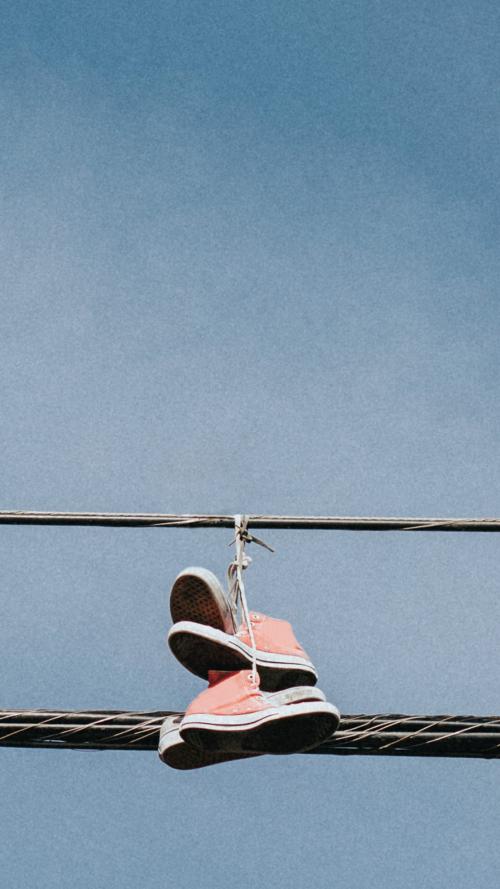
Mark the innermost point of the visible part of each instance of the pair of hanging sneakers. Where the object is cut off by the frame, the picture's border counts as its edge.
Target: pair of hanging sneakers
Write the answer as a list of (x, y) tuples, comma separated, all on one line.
[(258, 700)]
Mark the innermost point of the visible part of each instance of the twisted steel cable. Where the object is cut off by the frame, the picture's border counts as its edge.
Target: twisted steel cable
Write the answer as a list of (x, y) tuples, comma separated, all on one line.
[(376, 735)]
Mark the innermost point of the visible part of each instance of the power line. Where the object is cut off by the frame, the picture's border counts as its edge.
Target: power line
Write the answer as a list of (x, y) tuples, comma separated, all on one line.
[(375, 735), (333, 523)]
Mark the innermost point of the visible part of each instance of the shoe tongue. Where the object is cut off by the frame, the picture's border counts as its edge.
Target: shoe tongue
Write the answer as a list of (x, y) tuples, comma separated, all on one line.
[(216, 676)]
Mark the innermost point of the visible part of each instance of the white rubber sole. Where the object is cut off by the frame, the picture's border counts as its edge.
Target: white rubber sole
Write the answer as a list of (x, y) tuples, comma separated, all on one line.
[(200, 648), (295, 695), (275, 730), (174, 752), (197, 595)]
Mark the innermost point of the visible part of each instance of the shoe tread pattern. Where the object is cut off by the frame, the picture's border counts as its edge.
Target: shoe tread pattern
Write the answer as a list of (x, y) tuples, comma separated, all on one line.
[(192, 599)]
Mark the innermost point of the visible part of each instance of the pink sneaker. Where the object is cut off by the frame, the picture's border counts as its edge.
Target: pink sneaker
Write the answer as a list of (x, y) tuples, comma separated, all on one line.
[(233, 716), (281, 661), (174, 752)]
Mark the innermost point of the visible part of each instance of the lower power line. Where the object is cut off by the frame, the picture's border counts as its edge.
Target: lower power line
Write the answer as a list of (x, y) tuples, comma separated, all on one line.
[(376, 735)]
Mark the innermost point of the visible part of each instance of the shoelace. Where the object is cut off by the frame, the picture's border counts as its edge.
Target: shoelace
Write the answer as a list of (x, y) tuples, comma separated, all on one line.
[(236, 586)]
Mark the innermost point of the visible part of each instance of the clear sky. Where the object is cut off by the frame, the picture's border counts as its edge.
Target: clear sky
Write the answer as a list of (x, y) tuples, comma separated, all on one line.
[(249, 263)]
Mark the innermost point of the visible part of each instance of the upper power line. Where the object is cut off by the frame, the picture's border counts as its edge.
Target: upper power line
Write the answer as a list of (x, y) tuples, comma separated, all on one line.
[(333, 523)]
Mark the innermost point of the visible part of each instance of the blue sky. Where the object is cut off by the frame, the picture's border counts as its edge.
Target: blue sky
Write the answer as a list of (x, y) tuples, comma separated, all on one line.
[(249, 263)]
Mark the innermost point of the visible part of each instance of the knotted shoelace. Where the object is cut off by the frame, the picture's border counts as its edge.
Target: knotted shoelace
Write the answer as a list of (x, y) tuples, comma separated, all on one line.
[(236, 585)]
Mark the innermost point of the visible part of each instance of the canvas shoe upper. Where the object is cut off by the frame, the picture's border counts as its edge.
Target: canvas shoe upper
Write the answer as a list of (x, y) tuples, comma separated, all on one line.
[(281, 661), (271, 635), (233, 716)]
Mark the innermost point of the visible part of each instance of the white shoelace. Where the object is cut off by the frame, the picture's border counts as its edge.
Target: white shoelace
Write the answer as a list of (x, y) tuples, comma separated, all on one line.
[(237, 586)]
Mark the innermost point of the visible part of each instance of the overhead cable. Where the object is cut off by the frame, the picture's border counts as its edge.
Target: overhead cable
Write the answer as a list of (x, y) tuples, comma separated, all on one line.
[(376, 735), (333, 523)]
